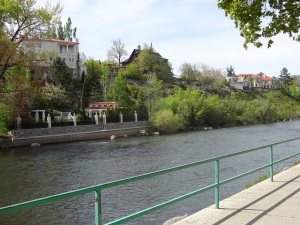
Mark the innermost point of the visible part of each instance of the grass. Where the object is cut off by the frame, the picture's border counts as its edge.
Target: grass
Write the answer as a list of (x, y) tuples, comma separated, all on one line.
[(260, 179), (265, 177)]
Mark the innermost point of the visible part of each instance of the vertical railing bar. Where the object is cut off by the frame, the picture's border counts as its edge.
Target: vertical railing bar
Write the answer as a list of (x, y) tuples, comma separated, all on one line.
[(98, 213), (217, 181), (271, 164)]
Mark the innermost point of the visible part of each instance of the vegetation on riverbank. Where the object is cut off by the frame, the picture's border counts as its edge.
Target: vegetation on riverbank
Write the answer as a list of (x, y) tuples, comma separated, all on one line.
[(265, 177)]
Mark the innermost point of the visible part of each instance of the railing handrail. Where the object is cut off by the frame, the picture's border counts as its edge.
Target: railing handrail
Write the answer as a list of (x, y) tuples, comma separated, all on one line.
[(98, 188)]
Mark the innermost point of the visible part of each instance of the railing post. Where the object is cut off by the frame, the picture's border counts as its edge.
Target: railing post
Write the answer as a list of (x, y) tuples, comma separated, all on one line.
[(217, 180), (271, 164), (98, 214)]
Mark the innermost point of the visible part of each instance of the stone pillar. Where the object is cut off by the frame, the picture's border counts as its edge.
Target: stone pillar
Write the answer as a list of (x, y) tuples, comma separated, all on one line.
[(121, 117), (74, 120), (19, 122), (135, 117), (97, 119), (90, 113), (43, 117), (104, 118), (49, 121), (36, 117)]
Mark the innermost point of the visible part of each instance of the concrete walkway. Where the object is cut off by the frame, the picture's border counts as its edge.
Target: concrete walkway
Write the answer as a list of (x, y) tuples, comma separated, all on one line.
[(267, 203)]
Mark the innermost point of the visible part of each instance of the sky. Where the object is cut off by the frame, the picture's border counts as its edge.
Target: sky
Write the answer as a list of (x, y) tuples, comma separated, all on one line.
[(191, 31)]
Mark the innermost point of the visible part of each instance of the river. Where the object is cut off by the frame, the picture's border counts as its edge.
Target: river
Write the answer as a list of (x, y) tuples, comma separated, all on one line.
[(28, 173)]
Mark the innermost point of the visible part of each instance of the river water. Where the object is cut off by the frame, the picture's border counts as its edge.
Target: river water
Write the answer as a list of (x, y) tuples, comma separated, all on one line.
[(28, 173)]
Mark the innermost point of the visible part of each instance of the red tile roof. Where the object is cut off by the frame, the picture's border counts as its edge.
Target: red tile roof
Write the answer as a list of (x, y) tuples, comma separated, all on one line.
[(103, 103), (54, 40), (266, 78)]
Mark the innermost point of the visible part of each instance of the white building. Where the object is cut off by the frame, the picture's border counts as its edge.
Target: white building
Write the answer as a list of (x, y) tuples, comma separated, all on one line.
[(48, 49), (99, 107)]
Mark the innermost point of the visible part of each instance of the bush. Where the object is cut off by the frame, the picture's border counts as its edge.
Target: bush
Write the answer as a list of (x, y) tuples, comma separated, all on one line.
[(166, 121)]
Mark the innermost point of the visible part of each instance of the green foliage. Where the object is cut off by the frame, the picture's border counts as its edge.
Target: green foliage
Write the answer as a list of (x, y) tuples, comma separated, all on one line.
[(166, 121), (150, 62), (119, 89), (260, 179), (3, 118), (153, 92), (230, 71), (133, 71), (56, 97), (284, 77), (250, 16)]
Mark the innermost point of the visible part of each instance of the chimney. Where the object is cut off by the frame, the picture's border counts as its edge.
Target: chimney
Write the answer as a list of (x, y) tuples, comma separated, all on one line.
[(139, 47)]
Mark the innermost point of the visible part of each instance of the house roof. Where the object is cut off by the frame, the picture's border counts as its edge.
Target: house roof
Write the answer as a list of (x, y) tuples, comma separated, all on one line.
[(53, 40), (266, 78), (137, 52), (103, 103)]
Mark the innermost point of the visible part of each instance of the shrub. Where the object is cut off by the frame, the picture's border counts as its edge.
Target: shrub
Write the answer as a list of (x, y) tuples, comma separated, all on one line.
[(166, 121)]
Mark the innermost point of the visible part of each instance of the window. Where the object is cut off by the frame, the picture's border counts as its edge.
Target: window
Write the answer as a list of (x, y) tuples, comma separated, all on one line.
[(71, 59), (63, 49)]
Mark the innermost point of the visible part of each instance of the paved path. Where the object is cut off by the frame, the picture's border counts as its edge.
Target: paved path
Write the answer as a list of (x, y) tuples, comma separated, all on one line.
[(267, 203)]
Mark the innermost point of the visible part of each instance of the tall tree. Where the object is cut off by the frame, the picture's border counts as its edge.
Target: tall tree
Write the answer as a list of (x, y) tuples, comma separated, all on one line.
[(119, 87), (117, 51), (285, 77), (68, 31), (263, 19), (230, 71), (188, 71), (150, 62)]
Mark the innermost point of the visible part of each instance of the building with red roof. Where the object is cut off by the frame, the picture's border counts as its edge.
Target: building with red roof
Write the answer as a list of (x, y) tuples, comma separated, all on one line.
[(259, 81), (68, 51), (99, 107)]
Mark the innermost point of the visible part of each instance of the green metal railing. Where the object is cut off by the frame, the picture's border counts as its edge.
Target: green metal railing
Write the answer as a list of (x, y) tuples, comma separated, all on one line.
[(98, 188)]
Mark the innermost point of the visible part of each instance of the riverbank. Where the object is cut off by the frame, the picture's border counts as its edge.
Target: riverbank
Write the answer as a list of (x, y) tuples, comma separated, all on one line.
[(52, 135)]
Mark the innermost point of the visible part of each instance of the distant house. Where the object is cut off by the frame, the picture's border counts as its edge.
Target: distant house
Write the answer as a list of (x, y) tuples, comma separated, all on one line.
[(135, 53), (68, 51), (99, 107), (259, 81), (239, 84)]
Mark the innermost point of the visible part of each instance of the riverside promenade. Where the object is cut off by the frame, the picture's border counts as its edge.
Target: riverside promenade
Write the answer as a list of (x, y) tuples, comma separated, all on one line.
[(266, 203)]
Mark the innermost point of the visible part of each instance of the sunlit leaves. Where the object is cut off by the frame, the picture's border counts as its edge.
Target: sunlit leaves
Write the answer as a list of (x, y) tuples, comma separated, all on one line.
[(263, 19)]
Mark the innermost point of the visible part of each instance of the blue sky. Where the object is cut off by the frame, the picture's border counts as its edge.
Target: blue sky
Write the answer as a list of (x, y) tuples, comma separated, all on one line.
[(193, 31)]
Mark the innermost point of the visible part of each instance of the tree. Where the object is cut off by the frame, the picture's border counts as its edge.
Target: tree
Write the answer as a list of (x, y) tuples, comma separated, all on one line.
[(284, 77), (261, 74), (166, 121), (230, 71), (21, 19), (263, 19), (153, 92), (119, 88), (64, 76), (150, 62), (56, 96), (68, 31), (90, 90), (188, 71), (117, 51)]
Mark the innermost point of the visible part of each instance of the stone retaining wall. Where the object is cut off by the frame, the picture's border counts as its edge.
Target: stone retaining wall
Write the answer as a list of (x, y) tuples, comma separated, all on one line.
[(5, 141), (26, 133)]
